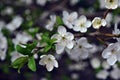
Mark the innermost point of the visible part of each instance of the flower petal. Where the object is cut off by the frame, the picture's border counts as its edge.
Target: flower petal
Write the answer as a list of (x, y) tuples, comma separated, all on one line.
[(62, 30), (112, 59), (59, 48)]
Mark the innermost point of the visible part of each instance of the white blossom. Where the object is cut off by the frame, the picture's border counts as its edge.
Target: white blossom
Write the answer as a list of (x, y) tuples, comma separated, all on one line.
[(49, 61), (69, 18), (3, 47), (98, 22), (80, 50), (15, 23), (112, 53), (64, 39), (81, 24), (111, 4), (51, 22)]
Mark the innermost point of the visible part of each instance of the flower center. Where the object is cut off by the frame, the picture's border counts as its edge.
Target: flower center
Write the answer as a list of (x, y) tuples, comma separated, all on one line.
[(82, 25)]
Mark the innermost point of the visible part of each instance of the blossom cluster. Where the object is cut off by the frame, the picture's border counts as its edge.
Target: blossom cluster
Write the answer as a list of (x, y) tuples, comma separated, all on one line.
[(74, 34)]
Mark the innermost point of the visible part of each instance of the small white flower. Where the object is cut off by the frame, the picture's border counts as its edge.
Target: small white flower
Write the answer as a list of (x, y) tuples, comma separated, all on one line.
[(98, 22), (15, 23), (49, 61), (68, 19), (3, 47), (51, 22), (103, 74), (64, 39), (81, 24), (112, 53), (111, 4), (81, 49)]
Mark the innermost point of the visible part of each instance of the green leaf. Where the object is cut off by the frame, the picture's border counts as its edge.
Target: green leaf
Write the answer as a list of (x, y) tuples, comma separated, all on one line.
[(19, 63), (32, 45), (22, 50), (28, 48), (59, 20), (32, 64), (47, 48)]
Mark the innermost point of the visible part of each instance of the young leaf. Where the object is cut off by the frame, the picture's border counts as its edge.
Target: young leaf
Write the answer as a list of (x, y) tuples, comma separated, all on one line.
[(19, 63), (32, 64), (22, 50), (59, 20)]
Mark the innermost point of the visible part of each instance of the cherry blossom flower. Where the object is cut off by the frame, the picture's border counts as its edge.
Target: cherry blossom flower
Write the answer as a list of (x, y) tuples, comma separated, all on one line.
[(111, 4), (80, 50), (49, 61), (81, 24), (98, 22), (51, 23), (64, 39), (112, 53), (68, 19)]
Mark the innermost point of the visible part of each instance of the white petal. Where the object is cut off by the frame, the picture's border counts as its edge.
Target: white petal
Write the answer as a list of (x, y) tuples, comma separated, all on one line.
[(65, 14), (41, 62), (56, 36), (50, 66), (83, 29), (83, 18), (62, 30), (84, 53), (59, 48), (69, 36), (70, 44), (112, 59), (104, 22), (51, 56), (55, 63), (74, 15), (76, 28), (88, 24), (106, 53)]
